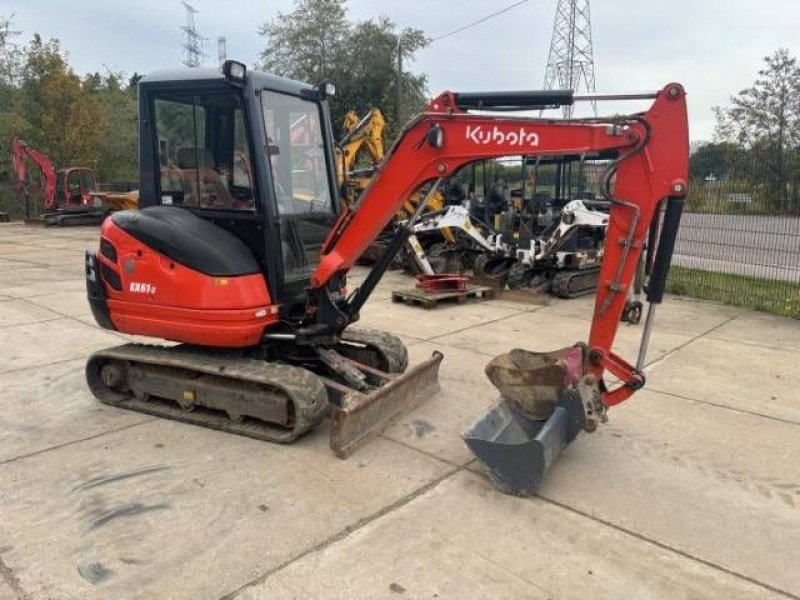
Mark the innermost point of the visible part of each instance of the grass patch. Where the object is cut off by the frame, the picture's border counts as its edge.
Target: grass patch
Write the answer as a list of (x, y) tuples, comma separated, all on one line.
[(765, 295)]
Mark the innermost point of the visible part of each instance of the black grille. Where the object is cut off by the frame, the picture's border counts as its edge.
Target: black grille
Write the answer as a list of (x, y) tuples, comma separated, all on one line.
[(107, 249), (111, 277)]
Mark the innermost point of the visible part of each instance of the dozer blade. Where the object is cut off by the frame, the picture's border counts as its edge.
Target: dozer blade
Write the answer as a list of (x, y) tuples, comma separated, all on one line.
[(360, 416), (517, 451)]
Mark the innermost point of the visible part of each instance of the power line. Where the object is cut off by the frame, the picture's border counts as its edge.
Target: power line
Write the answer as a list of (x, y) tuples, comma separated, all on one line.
[(193, 42), (479, 21), (570, 64)]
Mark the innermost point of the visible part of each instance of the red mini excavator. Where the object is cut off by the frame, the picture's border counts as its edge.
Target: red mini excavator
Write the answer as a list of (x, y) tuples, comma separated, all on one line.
[(68, 194), (246, 267)]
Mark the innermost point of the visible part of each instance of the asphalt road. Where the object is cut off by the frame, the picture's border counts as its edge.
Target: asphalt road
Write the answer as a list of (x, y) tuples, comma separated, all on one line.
[(753, 245)]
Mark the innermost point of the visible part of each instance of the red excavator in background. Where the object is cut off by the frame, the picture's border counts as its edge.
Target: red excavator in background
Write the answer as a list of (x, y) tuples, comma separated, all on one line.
[(252, 281), (68, 194)]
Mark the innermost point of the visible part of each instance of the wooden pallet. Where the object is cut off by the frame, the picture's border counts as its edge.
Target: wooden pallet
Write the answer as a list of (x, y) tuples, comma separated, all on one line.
[(416, 297)]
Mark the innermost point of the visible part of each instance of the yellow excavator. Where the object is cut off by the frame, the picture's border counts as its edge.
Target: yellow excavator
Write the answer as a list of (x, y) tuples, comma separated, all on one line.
[(360, 134), (367, 134)]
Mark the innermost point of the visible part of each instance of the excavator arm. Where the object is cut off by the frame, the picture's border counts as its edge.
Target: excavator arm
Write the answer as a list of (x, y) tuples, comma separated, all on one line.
[(20, 151), (366, 133), (651, 167)]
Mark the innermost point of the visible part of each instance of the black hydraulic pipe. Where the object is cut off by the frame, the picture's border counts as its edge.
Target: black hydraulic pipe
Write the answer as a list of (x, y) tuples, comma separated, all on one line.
[(532, 99), (652, 238), (666, 245), (378, 269)]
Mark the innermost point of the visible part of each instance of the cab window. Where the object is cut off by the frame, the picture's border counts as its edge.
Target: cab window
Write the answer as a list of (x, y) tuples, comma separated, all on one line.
[(203, 151), (301, 179), (297, 154)]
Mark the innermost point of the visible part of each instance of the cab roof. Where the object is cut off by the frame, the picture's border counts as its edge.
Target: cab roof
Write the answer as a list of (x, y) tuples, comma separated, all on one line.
[(257, 79)]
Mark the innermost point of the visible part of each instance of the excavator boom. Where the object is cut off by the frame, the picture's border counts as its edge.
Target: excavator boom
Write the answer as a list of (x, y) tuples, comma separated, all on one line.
[(20, 151), (246, 267), (651, 167)]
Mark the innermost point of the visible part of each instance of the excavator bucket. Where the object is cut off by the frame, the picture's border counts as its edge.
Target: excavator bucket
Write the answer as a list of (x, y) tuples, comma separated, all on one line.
[(359, 416), (539, 414)]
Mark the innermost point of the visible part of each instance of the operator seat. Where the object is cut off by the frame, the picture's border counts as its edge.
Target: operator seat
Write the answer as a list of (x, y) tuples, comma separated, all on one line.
[(212, 191)]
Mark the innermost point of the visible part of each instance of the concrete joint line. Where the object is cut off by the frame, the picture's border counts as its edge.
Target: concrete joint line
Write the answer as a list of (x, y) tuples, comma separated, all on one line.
[(479, 325), (73, 442), (35, 322), (344, 533), (671, 549), (39, 366), (733, 409), (685, 344)]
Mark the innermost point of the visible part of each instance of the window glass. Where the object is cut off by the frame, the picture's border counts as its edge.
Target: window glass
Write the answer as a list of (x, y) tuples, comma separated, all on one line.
[(74, 182), (300, 178), (88, 181), (297, 154), (203, 151)]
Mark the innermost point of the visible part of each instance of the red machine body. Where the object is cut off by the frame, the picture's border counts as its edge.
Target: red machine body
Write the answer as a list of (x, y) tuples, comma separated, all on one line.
[(158, 297), (263, 270)]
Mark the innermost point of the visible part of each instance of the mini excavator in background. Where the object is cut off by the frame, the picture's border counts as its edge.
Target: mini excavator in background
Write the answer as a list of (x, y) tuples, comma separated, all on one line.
[(67, 194), (248, 273)]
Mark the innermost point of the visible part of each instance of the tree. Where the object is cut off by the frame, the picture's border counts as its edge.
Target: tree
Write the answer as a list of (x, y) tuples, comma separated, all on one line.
[(117, 151), (720, 160), (64, 117), (368, 78), (10, 119), (89, 121), (316, 43), (765, 120), (306, 44), (10, 52)]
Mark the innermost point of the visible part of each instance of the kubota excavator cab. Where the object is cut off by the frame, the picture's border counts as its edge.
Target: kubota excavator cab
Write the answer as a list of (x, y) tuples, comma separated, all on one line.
[(73, 187), (250, 155), (238, 193)]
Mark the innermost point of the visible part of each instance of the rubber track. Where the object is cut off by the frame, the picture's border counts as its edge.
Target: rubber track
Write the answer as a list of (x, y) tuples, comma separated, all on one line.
[(571, 284), (301, 387), (391, 346)]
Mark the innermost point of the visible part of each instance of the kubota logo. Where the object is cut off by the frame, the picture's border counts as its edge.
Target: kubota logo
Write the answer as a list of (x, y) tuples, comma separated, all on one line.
[(522, 137)]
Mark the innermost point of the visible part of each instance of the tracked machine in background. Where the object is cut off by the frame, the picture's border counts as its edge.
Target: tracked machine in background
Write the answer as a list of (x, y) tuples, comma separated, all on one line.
[(255, 291), (67, 193), (361, 136), (365, 136), (564, 259), (515, 235)]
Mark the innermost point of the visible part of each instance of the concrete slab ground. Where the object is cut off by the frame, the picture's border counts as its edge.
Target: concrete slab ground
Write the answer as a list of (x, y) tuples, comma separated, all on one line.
[(691, 490)]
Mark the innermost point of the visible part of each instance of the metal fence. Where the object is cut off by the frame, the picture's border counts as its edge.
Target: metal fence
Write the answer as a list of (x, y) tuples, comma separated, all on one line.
[(739, 241)]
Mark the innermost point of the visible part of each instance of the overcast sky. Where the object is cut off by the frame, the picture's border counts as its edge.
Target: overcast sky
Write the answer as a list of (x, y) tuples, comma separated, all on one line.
[(713, 47)]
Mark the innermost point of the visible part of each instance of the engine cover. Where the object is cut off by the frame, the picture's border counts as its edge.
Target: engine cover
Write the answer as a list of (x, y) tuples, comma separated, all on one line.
[(147, 292)]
